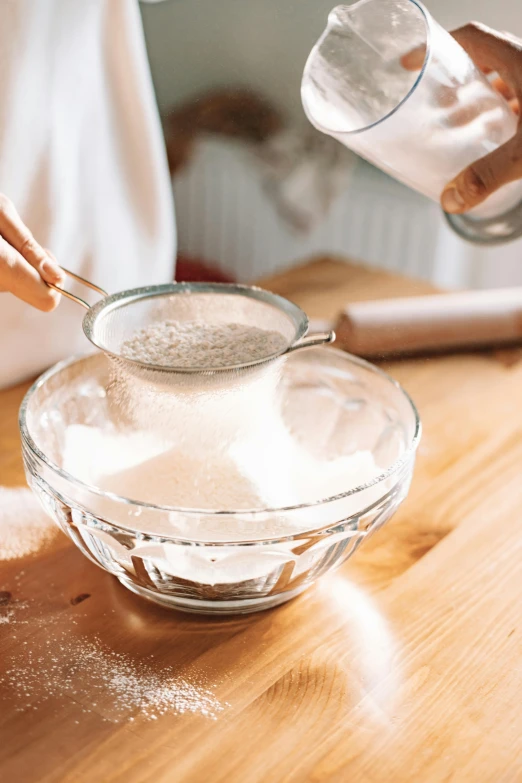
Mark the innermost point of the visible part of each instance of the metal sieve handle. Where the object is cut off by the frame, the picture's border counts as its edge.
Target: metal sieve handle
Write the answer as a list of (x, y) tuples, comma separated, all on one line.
[(309, 340), (82, 280)]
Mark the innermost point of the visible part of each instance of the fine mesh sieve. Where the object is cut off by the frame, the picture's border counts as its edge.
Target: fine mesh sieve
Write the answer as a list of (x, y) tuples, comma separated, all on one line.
[(117, 317)]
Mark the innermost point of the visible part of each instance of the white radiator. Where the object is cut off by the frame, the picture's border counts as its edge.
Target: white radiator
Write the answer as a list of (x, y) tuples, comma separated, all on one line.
[(225, 216)]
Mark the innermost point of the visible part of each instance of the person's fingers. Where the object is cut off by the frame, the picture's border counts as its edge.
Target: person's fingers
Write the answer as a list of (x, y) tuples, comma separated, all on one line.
[(16, 233), (53, 258), (504, 89), (414, 60), (24, 281), (493, 51), (473, 185), (501, 54)]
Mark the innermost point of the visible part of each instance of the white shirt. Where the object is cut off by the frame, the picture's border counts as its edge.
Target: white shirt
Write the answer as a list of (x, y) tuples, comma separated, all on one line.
[(82, 159)]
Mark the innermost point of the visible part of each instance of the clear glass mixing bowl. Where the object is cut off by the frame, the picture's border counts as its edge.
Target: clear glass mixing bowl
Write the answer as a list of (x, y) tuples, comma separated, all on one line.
[(229, 560)]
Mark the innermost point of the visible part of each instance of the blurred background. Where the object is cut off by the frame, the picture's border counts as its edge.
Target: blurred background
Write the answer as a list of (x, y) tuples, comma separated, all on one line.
[(257, 189)]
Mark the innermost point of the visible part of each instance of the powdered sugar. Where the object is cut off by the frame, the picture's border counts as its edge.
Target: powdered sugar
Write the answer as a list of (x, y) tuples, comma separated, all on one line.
[(24, 526), (187, 344)]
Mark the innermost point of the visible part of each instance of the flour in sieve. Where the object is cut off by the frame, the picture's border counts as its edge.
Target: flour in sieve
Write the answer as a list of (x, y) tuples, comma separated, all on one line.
[(199, 344), (24, 526)]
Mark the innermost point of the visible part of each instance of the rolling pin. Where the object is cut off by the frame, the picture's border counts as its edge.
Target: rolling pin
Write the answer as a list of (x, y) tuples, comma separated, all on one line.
[(424, 324)]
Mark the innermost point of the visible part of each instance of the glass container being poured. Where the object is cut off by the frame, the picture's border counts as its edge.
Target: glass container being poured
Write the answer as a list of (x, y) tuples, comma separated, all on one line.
[(421, 127)]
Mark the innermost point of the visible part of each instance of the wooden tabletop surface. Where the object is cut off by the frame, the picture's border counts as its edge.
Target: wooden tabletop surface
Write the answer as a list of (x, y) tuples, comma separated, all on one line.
[(403, 665)]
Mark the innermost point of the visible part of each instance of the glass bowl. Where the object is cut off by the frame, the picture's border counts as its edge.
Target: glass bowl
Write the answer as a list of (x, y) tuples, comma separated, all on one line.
[(229, 560)]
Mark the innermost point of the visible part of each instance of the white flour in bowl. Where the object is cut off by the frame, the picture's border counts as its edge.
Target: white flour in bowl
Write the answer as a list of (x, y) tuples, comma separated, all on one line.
[(269, 469), (188, 344), (218, 447)]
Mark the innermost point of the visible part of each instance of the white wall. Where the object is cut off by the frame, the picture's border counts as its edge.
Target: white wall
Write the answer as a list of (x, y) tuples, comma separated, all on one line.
[(197, 44)]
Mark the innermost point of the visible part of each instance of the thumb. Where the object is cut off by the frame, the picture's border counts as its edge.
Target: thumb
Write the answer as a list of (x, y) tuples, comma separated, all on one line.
[(473, 185)]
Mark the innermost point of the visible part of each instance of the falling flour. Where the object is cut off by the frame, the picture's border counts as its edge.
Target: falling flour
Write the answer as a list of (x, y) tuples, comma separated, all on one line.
[(24, 526), (199, 344)]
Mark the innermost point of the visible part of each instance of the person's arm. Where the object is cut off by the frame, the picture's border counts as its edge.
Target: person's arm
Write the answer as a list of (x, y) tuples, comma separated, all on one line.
[(492, 52), (25, 267)]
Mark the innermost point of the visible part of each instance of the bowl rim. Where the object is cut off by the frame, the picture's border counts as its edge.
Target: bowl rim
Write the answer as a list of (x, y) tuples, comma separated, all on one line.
[(394, 468)]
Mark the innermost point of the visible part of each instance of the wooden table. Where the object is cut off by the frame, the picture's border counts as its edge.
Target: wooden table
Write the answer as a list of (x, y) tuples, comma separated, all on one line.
[(404, 665)]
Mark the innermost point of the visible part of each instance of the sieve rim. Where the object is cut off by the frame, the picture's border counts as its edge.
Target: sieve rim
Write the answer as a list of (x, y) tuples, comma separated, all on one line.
[(122, 298)]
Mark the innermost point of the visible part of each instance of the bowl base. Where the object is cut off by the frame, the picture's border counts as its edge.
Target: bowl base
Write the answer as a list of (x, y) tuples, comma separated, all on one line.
[(195, 606)]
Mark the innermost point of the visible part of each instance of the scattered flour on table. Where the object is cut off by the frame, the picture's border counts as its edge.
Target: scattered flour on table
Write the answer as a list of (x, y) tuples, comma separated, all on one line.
[(200, 344), (55, 664), (19, 612), (113, 684), (7, 617), (24, 527)]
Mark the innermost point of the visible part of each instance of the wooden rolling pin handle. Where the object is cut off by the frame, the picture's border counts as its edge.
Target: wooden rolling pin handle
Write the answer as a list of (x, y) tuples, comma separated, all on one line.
[(431, 323)]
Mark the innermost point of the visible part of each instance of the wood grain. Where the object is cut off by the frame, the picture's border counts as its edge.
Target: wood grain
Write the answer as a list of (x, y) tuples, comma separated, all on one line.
[(401, 666)]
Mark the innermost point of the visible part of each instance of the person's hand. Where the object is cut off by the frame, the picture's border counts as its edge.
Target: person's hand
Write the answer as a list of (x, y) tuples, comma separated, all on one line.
[(498, 53), (25, 267)]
